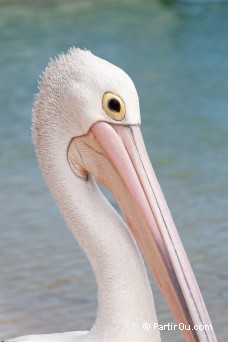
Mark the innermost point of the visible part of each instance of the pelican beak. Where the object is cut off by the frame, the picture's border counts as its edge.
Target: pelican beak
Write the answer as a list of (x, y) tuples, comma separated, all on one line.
[(153, 228)]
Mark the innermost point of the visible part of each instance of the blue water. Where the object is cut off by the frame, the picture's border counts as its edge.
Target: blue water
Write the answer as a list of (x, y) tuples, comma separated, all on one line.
[(177, 55)]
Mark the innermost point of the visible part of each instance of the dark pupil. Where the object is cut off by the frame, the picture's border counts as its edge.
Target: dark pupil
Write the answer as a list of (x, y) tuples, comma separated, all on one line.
[(114, 105)]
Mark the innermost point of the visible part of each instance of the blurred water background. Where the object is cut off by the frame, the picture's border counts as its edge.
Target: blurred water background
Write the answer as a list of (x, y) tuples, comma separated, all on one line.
[(177, 55)]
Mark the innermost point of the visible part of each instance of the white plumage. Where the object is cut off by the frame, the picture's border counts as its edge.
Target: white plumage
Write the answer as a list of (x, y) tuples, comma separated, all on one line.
[(75, 140)]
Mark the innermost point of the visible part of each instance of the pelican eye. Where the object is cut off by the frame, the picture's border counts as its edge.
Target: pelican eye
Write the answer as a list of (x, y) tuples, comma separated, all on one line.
[(113, 106)]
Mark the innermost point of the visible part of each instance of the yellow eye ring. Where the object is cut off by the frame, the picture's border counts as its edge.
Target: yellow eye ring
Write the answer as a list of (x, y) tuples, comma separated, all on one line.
[(113, 106)]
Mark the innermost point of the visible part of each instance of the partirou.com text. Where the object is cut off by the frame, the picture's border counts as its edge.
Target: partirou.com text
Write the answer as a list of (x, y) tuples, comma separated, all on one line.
[(172, 326)]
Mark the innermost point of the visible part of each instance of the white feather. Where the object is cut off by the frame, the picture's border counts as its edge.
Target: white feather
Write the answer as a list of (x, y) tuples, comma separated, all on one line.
[(68, 103)]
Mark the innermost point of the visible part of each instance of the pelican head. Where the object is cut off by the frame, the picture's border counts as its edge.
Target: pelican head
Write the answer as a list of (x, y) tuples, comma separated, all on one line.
[(87, 114)]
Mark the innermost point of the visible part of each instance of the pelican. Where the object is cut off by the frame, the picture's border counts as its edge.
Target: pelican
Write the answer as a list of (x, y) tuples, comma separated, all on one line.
[(86, 128)]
